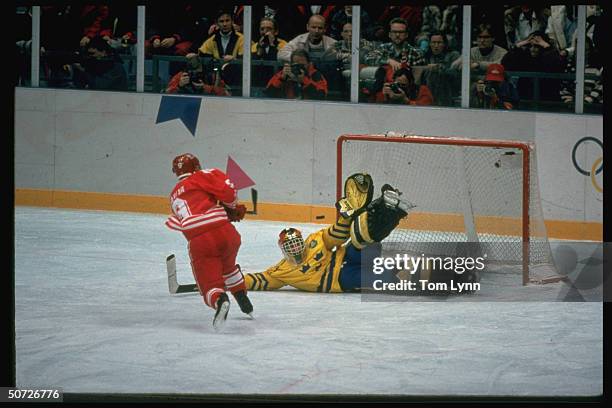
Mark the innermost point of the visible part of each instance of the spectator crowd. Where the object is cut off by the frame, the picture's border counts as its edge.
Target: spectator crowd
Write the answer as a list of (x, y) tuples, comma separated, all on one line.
[(407, 54)]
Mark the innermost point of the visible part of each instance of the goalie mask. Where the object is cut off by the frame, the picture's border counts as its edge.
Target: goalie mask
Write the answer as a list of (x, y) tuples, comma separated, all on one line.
[(292, 244), (185, 164)]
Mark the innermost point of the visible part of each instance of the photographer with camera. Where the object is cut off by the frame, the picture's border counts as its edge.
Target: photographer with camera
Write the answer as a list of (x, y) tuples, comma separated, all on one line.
[(298, 80), (404, 91), (194, 80), (100, 68), (494, 92), (265, 49), (268, 45)]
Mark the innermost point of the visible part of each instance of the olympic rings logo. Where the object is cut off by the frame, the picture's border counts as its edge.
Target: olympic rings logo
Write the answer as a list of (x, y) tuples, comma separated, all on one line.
[(597, 166)]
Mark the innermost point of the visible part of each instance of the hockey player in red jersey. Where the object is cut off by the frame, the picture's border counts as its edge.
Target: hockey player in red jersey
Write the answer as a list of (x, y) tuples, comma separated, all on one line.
[(204, 203)]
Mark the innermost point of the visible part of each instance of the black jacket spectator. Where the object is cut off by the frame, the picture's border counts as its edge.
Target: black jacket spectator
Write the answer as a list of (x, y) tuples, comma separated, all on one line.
[(168, 23), (535, 54), (341, 17), (101, 70)]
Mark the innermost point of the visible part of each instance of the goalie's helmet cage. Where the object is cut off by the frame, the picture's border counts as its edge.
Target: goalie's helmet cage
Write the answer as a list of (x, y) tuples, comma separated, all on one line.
[(292, 244), (185, 164)]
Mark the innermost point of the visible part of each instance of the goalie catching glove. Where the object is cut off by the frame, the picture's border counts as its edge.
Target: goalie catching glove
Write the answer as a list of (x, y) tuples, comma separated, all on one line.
[(235, 214), (358, 191)]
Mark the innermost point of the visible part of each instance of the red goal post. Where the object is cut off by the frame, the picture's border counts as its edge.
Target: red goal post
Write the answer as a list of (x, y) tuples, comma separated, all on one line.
[(380, 155)]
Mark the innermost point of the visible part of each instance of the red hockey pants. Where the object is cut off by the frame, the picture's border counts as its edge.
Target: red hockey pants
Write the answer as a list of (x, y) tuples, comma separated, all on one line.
[(213, 262)]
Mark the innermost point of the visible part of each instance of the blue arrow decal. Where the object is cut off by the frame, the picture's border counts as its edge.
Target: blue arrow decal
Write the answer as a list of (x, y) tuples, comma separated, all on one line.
[(177, 107)]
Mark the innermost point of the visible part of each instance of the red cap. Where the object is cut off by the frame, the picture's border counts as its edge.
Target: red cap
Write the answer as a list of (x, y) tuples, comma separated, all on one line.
[(495, 72)]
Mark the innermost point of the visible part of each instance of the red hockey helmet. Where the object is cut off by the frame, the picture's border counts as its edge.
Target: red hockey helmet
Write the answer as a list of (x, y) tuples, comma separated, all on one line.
[(292, 244), (185, 164)]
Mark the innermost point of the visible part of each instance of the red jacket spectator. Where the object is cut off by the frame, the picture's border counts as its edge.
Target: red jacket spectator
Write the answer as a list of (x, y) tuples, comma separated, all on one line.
[(96, 21), (403, 90), (193, 79), (423, 97), (206, 89), (300, 80)]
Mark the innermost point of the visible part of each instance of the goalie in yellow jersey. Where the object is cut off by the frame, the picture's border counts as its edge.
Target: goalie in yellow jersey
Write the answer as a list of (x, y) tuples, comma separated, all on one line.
[(324, 261)]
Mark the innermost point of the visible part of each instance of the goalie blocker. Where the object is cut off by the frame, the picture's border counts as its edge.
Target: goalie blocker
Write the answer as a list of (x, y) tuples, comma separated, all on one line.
[(376, 221)]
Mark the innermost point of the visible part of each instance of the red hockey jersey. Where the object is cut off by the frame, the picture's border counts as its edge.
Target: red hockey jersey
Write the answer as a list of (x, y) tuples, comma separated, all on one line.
[(195, 202)]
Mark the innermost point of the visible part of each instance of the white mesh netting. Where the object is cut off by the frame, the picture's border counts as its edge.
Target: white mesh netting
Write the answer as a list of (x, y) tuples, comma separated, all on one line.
[(462, 193)]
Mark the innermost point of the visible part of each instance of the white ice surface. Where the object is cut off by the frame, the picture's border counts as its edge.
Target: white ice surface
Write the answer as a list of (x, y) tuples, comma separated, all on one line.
[(93, 315)]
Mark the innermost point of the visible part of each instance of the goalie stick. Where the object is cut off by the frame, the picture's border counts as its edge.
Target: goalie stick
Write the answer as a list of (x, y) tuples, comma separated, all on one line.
[(173, 285)]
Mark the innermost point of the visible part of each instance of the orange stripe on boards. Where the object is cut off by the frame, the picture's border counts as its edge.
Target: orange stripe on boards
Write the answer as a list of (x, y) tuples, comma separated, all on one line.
[(35, 198), (573, 230), (293, 213), (92, 201), (559, 229)]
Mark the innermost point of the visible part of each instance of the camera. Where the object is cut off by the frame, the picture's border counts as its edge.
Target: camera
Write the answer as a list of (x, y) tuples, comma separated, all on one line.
[(195, 75), (297, 69), (489, 90), (395, 87), (265, 40)]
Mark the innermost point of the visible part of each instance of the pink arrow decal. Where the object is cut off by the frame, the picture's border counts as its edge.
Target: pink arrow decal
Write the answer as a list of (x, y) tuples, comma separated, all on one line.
[(237, 175)]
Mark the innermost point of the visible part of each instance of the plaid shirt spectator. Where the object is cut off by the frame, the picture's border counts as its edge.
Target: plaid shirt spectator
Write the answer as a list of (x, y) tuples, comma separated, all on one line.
[(342, 49), (411, 55)]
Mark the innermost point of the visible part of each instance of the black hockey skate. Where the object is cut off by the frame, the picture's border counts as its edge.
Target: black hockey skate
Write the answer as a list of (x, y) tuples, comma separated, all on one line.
[(244, 302), (223, 305)]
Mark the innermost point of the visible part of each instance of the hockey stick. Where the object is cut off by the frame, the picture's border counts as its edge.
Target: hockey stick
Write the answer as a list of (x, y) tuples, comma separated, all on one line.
[(173, 285), (254, 199)]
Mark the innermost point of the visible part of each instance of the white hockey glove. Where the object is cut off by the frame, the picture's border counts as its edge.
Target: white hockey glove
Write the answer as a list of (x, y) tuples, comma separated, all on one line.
[(392, 200)]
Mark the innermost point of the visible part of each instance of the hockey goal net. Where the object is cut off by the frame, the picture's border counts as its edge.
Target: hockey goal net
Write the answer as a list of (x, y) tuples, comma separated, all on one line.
[(465, 190)]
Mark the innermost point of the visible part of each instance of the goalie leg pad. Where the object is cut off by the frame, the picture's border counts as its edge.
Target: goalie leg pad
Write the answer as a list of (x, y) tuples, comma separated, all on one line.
[(360, 231), (383, 220), (358, 192), (376, 223)]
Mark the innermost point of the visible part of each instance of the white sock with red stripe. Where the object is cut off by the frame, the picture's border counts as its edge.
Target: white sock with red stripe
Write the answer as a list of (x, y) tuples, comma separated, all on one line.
[(234, 281), (210, 298)]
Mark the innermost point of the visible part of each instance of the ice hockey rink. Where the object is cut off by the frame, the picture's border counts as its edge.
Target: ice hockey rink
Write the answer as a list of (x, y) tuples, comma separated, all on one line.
[(93, 315)]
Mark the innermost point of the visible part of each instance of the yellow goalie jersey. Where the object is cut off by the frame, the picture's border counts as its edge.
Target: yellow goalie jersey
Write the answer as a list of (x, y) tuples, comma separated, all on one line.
[(320, 270)]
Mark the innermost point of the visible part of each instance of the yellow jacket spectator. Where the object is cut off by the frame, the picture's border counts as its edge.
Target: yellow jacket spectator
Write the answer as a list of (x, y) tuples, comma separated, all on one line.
[(268, 45), (226, 44), (280, 43)]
